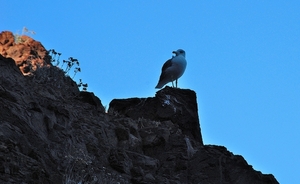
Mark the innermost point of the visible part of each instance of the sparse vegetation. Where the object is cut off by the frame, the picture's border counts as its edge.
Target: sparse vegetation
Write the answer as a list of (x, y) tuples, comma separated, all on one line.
[(25, 31), (84, 86), (70, 63), (55, 56), (55, 59)]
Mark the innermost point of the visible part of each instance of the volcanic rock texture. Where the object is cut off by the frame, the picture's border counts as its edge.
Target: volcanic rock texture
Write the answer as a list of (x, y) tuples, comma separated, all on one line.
[(50, 132)]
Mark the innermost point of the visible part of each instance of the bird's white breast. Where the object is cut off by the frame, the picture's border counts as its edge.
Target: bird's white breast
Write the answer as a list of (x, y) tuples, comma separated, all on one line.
[(179, 64)]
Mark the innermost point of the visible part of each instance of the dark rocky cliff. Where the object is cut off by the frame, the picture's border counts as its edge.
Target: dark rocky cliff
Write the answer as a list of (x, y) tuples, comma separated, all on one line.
[(50, 132)]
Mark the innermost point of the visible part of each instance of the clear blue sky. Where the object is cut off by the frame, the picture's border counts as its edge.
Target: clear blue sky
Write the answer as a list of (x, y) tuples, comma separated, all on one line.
[(243, 63)]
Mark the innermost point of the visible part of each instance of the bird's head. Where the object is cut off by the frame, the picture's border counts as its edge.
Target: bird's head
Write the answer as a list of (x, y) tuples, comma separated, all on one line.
[(179, 52)]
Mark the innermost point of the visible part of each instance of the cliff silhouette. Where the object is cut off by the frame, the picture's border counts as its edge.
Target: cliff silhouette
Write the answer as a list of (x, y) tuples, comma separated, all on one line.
[(51, 132)]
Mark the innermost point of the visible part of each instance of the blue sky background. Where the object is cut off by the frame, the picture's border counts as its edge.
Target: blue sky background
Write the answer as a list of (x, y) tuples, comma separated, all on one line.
[(243, 63)]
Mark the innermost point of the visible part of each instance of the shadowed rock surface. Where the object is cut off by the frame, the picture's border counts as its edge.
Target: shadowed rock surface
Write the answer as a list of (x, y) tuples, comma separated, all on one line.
[(176, 105), (50, 132)]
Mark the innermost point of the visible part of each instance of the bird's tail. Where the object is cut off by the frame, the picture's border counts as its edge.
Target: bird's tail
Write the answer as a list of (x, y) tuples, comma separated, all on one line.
[(159, 85)]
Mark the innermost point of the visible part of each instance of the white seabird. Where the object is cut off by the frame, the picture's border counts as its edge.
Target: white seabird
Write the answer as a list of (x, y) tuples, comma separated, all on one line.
[(173, 69)]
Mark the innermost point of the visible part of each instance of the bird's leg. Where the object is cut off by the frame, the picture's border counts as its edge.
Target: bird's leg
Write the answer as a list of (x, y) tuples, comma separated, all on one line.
[(172, 84), (176, 83)]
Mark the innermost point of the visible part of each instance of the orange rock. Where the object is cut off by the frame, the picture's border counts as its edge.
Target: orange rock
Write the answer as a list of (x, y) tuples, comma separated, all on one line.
[(28, 53)]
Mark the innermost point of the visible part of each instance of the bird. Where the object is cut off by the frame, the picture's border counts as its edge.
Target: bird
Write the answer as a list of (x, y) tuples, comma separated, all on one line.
[(172, 69)]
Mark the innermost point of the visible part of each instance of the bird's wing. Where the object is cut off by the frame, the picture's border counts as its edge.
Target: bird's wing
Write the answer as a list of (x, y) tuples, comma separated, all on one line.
[(167, 64), (164, 76)]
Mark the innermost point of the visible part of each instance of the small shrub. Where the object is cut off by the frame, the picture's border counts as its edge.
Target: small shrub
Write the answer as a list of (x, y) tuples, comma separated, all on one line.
[(18, 37), (70, 62), (84, 86), (55, 56)]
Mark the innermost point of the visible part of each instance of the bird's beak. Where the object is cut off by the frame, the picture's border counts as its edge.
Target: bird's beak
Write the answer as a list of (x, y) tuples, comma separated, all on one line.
[(174, 52)]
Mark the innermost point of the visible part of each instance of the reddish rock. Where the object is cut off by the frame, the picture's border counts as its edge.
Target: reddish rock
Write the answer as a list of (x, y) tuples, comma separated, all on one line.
[(27, 53)]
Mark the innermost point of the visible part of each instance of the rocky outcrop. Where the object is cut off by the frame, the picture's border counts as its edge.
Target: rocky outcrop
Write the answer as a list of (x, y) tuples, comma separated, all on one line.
[(172, 104), (27, 53), (50, 132)]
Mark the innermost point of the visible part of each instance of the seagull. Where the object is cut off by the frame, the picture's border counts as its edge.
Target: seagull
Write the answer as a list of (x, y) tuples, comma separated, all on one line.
[(172, 69)]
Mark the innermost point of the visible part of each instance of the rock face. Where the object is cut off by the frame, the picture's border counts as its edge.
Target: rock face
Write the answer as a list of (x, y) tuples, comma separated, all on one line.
[(172, 104), (27, 53), (50, 132)]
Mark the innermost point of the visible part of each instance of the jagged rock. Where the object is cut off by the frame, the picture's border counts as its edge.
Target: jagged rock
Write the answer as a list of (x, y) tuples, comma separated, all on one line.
[(177, 105), (27, 53), (50, 132), (90, 98), (119, 160)]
